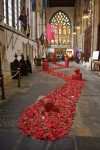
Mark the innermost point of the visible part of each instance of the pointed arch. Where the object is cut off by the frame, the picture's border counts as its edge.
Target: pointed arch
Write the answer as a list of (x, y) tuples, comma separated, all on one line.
[(62, 27)]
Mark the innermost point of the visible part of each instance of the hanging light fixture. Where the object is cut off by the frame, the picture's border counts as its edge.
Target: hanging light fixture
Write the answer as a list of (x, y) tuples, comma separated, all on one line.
[(85, 9), (78, 26), (74, 31), (85, 14)]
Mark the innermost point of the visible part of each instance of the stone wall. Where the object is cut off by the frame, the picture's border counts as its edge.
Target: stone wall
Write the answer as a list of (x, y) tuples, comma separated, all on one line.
[(69, 11), (12, 42)]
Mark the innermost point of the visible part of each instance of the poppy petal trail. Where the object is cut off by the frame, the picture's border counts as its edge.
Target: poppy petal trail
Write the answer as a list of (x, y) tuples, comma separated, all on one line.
[(51, 117)]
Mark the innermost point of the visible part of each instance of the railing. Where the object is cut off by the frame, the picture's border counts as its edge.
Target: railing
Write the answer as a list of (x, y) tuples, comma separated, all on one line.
[(2, 82), (2, 86)]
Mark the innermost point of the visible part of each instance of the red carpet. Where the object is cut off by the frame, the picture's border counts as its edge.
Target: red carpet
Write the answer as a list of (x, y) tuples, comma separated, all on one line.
[(51, 117)]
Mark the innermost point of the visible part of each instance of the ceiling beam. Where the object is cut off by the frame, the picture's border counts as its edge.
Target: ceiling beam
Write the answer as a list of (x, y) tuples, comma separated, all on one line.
[(61, 3)]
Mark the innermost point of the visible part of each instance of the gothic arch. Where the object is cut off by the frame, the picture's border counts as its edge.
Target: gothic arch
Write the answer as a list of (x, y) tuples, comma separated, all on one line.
[(58, 12), (62, 27)]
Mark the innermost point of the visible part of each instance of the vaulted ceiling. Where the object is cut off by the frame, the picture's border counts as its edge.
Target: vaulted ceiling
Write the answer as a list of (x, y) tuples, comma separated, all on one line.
[(61, 3)]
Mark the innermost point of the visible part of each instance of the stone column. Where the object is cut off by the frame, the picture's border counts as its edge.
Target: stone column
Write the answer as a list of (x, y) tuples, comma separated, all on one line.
[(95, 23), (1, 11)]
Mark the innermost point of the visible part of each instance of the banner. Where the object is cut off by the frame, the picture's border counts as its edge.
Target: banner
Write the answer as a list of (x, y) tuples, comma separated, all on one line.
[(38, 5), (34, 5), (43, 4), (50, 32), (27, 31), (22, 17), (42, 39)]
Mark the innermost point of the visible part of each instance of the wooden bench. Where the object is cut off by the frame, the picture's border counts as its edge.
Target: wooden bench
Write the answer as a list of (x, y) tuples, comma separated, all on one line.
[(95, 66)]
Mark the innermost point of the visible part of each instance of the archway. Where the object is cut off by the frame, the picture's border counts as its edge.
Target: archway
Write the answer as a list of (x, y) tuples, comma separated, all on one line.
[(62, 28)]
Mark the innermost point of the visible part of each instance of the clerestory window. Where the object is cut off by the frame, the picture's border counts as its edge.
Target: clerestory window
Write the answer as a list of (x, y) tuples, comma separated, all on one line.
[(12, 9)]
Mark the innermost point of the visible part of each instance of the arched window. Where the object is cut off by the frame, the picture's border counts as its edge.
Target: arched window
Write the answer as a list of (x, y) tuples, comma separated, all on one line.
[(12, 9), (62, 27)]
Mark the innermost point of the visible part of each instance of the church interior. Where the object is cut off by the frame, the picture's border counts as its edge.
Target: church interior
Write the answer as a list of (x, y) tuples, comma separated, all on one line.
[(49, 75)]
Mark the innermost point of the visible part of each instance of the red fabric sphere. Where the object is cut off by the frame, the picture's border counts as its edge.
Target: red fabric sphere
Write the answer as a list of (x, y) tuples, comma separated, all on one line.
[(48, 104), (77, 70)]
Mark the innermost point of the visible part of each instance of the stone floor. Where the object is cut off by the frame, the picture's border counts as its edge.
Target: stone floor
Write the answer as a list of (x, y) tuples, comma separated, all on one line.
[(85, 133)]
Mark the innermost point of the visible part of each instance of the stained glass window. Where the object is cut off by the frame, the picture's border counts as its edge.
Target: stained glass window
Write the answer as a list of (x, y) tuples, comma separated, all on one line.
[(62, 29)]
